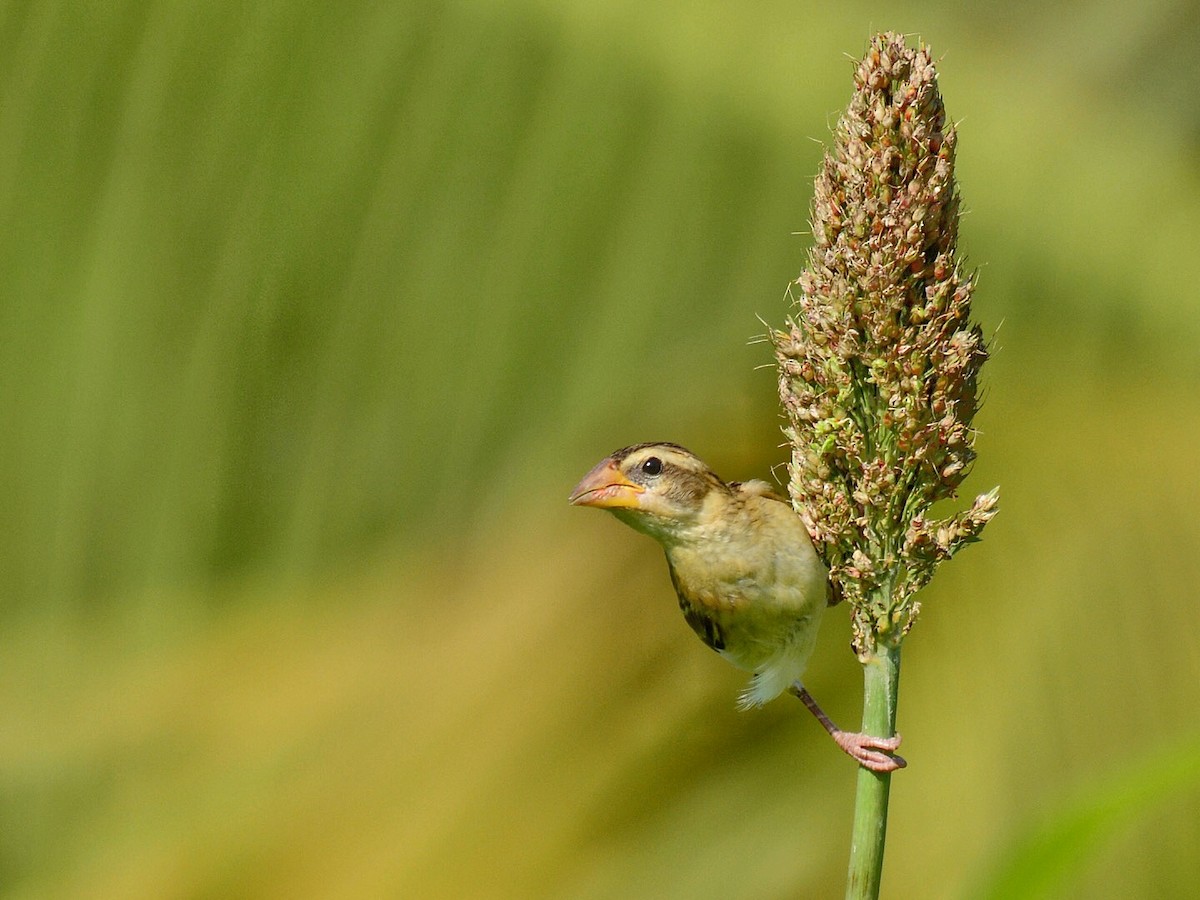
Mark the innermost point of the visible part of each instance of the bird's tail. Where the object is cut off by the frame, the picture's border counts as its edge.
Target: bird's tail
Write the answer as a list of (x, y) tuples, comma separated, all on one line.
[(764, 686)]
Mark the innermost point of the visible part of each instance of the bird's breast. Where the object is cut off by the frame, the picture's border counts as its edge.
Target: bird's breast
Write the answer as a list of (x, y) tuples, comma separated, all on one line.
[(750, 614)]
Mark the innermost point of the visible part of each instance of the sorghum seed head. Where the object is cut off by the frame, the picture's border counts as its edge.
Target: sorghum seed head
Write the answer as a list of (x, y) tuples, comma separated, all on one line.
[(879, 363)]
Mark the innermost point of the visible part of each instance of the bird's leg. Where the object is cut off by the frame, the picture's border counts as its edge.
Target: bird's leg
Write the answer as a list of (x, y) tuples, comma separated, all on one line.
[(873, 753)]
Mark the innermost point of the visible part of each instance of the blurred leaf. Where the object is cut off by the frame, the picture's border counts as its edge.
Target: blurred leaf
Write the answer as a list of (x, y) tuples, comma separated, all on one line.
[(1038, 863)]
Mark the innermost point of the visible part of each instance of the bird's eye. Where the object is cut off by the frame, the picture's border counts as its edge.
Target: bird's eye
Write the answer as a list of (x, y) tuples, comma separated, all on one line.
[(652, 466)]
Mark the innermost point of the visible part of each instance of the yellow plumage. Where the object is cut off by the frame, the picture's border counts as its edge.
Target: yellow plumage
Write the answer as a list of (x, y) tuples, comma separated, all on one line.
[(749, 582)]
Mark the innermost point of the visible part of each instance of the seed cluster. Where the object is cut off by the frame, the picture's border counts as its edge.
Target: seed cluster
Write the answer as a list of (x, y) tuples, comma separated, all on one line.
[(879, 361)]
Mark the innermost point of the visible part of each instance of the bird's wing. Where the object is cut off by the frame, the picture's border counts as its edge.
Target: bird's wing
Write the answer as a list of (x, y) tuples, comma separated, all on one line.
[(763, 489), (835, 594), (758, 488), (706, 627)]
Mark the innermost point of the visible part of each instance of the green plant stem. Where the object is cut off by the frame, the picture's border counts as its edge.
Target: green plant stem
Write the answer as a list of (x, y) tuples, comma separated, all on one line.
[(881, 680)]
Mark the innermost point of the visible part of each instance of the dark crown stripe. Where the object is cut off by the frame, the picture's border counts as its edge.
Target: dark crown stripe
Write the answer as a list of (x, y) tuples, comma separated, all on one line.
[(666, 445)]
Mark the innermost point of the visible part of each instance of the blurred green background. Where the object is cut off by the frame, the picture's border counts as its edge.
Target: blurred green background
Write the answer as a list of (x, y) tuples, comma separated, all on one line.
[(312, 314)]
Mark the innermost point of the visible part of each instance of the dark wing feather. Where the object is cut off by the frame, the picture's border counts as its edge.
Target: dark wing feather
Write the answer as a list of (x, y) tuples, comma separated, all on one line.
[(706, 627), (835, 594)]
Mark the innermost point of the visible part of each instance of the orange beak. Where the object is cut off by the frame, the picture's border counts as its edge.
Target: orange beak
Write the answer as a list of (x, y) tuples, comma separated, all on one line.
[(606, 488)]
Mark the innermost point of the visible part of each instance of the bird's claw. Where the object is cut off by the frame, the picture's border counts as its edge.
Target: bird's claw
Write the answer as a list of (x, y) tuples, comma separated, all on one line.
[(874, 753)]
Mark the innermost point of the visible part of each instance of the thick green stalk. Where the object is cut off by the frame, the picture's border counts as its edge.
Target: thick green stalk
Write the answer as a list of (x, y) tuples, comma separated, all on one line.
[(881, 680)]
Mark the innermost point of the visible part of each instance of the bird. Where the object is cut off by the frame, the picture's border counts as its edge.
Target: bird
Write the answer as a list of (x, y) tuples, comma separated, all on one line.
[(748, 579)]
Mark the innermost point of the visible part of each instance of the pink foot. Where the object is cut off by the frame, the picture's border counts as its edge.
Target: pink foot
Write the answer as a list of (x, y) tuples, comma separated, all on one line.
[(871, 752)]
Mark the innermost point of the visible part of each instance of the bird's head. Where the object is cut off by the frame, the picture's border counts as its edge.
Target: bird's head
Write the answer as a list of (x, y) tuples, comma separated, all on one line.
[(659, 489)]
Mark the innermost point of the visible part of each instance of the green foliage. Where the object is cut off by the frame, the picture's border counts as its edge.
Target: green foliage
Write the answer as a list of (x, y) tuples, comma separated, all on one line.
[(1046, 854)]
